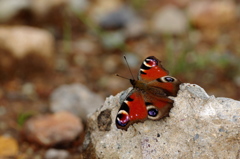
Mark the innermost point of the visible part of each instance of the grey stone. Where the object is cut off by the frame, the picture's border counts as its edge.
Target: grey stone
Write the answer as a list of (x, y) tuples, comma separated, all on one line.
[(113, 39), (169, 20), (199, 126), (117, 18), (75, 98), (79, 6)]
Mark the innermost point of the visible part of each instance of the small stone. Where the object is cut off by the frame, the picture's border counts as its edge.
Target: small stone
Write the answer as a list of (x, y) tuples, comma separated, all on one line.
[(212, 14), (136, 27), (169, 20), (211, 17), (56, 154), (86, 45), (8, 147), (79, 6), (28, 90), (52, 129), (75, 98), (115, 15), (102, 9), (22, 53), (22, 40), (113, 39), (118, 18)]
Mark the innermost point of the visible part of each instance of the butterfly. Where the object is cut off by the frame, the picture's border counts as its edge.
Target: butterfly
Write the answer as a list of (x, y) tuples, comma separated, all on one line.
[(149, 97)]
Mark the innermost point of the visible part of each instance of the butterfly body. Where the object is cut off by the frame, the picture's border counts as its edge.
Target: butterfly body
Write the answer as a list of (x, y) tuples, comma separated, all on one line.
[(149, 97)]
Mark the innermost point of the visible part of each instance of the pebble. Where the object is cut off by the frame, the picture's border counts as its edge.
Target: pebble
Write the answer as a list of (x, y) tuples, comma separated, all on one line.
[(51, 129), (169, 20), (118, 18), (8, 147), (86, 45), (79, 6), (113, 39), (56, 154), (136, 27), (75, 98), (28, 90), (102, 9), (22, 53), (212, 14), (22, 40)]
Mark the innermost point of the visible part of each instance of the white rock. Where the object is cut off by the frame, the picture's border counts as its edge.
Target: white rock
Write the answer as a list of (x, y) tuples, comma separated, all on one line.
[(22, 40), (170, 20), (199, 126), (75, 98), (56, 154)]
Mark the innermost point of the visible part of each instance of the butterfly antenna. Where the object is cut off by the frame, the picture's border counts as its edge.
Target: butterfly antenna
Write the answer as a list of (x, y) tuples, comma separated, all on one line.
[(122, 76), (128, 66)]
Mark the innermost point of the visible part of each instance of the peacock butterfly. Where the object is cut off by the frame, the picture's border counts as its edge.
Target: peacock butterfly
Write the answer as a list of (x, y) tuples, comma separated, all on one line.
[(149, 97)]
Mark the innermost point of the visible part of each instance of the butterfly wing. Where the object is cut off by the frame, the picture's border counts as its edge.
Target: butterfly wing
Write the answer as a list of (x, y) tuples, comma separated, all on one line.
[(158, 103), (166, 85), (149, 98), (159, 87), (151, 69), (132, 110), (157, 107)]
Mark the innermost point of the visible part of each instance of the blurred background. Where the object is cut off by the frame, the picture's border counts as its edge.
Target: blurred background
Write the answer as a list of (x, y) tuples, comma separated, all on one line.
[(53, 52)]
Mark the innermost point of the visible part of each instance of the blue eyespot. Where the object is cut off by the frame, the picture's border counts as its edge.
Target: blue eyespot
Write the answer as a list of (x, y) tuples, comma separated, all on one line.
[(153, 112), (169, 79)]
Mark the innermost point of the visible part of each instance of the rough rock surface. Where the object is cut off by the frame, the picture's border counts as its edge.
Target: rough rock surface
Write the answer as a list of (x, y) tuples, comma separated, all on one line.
[(199, 126)]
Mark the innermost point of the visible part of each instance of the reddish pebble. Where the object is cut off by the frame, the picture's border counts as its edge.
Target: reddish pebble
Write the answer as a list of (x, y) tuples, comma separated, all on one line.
[(52, 129)]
